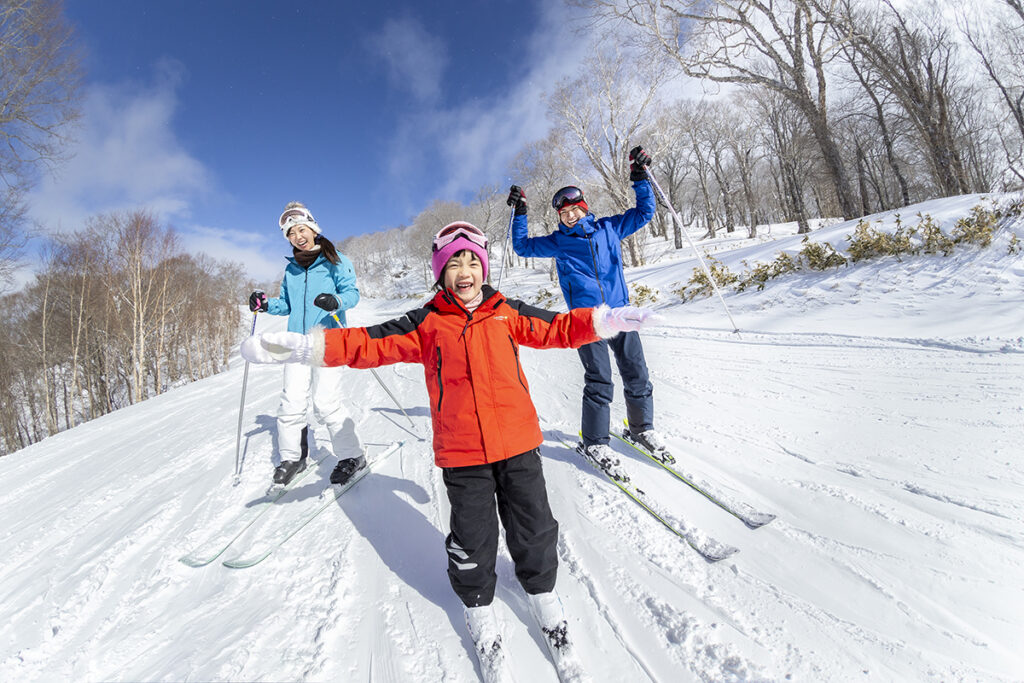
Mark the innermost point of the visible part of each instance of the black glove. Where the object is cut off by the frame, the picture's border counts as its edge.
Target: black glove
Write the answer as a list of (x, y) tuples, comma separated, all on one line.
[(326, 301), (638, 159), (258, 302), (517, 198)]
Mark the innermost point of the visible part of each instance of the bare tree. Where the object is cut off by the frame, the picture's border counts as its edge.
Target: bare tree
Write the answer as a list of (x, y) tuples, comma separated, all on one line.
[(787, 139), (781, 45), (39, 82), (918, 63), (604, 112), (542, 168), (12, 235)]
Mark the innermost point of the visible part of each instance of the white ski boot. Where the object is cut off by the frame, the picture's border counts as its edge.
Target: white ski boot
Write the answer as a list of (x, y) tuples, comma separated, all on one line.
[(486, 634), (547, 610)]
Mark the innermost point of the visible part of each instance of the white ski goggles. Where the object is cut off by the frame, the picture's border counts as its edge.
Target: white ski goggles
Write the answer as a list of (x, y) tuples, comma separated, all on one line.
[(297, 216)]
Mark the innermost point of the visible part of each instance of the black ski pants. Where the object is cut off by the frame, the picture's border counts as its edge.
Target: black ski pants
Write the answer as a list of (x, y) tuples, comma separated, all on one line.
[(514, 491)]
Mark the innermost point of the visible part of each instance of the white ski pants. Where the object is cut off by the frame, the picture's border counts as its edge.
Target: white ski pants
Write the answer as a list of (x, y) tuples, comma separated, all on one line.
[(323, 385)]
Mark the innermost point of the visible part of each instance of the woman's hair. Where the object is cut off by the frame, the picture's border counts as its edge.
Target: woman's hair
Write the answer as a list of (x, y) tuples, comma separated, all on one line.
[(328, 249), (326, 246)]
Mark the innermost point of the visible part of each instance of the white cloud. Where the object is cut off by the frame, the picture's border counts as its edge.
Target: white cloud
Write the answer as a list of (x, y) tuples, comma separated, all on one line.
[(126, 156), (415, 58), (262, 256), (476, 141)]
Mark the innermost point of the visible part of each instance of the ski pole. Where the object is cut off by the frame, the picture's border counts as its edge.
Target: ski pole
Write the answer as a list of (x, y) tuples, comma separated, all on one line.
[(381, 382), (241, 409), (700, 257), (504, 247)]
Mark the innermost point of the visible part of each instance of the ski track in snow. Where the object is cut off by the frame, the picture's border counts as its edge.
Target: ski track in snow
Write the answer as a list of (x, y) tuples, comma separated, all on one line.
[(876, 410)]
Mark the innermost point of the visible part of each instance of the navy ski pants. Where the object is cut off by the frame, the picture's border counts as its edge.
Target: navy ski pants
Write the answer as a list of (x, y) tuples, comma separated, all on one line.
[(513, 491), (598, 389)]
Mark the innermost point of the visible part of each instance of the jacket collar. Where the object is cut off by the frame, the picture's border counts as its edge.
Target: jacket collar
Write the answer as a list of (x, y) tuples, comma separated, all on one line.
[(446, 302), (319, 258), (582, 228)]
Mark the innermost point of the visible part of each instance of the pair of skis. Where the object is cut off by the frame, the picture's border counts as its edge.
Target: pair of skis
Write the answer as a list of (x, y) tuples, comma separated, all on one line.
[(267, 544), (711, 549)]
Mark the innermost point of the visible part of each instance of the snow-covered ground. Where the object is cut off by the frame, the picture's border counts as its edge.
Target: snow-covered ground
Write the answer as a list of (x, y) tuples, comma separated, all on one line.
[(878, 410)]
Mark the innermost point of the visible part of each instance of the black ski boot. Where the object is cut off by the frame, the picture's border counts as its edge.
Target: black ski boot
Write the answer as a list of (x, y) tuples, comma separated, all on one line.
[(287, 470), (346, 468)]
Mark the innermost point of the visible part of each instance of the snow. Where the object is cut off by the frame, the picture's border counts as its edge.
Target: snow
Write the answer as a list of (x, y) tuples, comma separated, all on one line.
[(877, 409)]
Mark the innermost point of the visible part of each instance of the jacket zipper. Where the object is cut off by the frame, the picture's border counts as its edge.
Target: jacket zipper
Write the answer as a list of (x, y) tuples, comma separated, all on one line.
[(593, 257), (515, 351), (305, 294), (440, 386)]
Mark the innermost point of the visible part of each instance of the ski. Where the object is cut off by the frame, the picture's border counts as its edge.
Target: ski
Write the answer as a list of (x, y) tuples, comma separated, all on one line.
[(216, 546), (268, 545), (742, 511), (711, 549)]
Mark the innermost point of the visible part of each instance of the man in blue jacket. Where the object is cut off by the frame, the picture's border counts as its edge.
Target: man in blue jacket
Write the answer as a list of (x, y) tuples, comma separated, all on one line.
[(588, 257)]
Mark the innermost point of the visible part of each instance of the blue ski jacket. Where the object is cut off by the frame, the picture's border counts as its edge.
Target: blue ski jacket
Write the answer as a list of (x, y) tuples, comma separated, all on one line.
[(301, 285), (588, 256)]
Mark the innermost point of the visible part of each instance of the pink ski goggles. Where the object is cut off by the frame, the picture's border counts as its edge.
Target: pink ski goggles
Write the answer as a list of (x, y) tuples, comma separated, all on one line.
[(453, 231)]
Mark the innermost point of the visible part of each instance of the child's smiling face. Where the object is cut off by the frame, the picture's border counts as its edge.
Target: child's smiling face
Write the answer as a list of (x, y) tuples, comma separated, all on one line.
[(464, 274)]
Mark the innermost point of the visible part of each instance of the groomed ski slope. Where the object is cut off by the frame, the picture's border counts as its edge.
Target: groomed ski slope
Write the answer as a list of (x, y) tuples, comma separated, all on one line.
[(877, 410)]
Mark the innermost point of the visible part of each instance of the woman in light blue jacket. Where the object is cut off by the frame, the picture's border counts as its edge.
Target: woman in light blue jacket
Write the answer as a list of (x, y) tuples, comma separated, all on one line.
[(319, 285)]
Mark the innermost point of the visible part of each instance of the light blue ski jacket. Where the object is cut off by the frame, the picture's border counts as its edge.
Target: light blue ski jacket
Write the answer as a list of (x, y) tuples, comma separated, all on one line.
[(301, 285)]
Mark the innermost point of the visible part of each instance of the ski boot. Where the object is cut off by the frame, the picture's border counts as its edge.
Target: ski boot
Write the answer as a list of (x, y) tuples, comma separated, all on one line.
[(286, 471), (604, 457), (486, 634), (346, 469), (547, 610), (651, 442)]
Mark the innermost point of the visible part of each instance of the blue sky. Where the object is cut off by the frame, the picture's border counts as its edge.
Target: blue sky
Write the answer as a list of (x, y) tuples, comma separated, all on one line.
[(215, 114)]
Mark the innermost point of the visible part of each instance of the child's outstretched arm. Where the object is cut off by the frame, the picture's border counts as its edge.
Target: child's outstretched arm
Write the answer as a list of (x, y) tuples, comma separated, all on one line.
[(542, 329), (358, 347)]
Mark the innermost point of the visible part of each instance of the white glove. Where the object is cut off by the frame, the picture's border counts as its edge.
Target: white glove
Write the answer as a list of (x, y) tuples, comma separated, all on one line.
[(278, 347), (608, 322)]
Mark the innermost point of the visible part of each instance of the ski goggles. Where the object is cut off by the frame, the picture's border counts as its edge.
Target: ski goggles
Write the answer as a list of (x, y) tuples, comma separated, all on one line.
[(296, 216), (566, 196), (453, 231)]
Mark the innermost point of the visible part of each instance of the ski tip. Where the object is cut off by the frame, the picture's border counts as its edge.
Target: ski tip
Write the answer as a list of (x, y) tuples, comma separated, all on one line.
[(756, 521), (718, 553), (189, 561)]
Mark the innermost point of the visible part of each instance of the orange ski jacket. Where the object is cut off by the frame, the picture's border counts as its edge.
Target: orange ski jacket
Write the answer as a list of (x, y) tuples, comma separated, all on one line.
[(480, 402)]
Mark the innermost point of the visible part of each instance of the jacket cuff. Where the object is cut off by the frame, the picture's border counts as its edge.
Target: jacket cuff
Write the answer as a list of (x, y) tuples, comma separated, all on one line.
[(599, 315), (316, 356)]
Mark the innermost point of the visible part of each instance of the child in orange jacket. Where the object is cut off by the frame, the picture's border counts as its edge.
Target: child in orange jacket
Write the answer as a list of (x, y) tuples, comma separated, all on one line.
[(486, 431)]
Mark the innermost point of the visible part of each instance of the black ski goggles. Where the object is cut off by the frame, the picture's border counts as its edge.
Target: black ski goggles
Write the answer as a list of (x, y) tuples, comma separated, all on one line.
[(566, 196)]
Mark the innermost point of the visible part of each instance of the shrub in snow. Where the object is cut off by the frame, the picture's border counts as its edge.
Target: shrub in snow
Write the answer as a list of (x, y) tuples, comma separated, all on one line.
[(699, 284), (545, 298), (977, 228), (866, 242), (933, 240), (821, 255), (1015, 247), (641, 295), (762, 272)]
